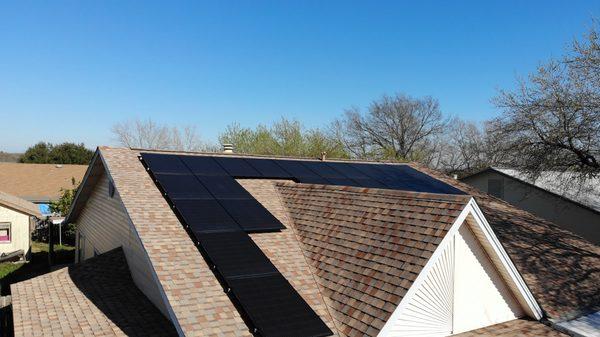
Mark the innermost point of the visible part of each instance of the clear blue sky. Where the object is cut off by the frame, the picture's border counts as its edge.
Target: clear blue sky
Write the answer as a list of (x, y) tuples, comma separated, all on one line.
[(69, 70)]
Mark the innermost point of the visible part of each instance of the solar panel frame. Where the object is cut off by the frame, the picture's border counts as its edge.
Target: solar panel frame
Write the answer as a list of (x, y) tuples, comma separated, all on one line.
[(261, 299), (238, 167), (203, 165), (235, 254), (179, 186), (268, 168), (224, 187), (251, 215), (204, 215), (164, 163)]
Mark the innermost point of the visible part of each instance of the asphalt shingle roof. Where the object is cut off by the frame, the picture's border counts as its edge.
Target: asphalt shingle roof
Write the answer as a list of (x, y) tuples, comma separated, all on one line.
[(94, 298)]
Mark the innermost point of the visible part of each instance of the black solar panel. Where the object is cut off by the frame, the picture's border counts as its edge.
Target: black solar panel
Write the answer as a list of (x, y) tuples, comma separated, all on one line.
[(268, 168), (322, 169), (368, 182), (182, 186), (237, 167), (348, 170), (203, 215), (224, 187), (312, 180), (296, 169), (342, 181), (204, 166), (163, 163), (251, 215), (276, 309), (235, 254)]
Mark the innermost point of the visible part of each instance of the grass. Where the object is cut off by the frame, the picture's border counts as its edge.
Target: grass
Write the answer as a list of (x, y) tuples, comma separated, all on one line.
[(38, 264)]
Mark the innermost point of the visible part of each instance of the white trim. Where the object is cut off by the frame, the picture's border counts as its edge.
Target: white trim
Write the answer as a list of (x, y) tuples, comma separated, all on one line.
[(526, 294), (470, 208)]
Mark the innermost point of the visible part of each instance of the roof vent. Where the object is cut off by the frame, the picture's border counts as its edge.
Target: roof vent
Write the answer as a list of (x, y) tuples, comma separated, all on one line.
[(58, 165), (227, 148), (323, 155)]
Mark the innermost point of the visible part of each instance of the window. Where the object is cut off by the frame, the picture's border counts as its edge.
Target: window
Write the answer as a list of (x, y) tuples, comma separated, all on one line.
[(496, 188), (111, 189), (4, 232)]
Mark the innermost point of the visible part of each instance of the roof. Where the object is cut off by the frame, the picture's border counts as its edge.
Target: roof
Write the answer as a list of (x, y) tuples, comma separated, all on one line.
[(38, 182), (349, 279), (96, 297), (517, 327), (367, 246), (559, 267), (19, 204), (585, 192)]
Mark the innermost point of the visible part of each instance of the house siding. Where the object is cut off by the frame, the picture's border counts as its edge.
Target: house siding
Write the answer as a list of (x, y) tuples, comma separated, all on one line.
[(19, 231), (568, 215), (104, 225)]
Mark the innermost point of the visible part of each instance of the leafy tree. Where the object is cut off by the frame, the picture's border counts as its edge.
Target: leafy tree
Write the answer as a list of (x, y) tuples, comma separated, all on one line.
[(63, 204), (70, 153), (37, 154), (552, 120), (65, 153), (285, 137)]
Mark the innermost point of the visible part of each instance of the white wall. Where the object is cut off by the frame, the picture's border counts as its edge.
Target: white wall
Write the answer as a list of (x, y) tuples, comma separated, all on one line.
[(20, 230), (103, 225), (481, 297), (461, 291)]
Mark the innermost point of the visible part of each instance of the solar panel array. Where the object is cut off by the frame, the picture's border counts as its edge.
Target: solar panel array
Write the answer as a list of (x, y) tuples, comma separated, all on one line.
[(219, 213)]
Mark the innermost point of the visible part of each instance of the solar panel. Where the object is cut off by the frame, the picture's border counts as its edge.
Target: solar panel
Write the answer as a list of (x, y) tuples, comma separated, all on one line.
[(268, 168), (312, 180), (235, 254), (368, 182), (348, 170), (203, 215), (224, 187), (322, 169), (163, 163), (251, 215), (202, 165), (342, 181), (276, 309), (182, 186), (237, 167), (296, 169)]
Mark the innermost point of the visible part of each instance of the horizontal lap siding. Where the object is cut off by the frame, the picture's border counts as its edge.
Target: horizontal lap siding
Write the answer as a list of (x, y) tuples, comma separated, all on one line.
[(105, 225)]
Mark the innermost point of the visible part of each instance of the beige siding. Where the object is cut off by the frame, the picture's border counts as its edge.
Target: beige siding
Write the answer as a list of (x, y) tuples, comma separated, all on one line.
[(19, 230), (104, 225)]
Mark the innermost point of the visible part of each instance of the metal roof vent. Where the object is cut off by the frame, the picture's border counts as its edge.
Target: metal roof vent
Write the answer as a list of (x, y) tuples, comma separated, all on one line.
[(227, 148)]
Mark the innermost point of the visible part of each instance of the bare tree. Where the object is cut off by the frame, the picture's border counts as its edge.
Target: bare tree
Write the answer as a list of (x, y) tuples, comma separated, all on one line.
[(149, 135), (398, 127), (552, 121)]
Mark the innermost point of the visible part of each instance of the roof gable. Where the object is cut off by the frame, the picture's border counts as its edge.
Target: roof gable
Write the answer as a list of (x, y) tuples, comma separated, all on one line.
[(19, 204)]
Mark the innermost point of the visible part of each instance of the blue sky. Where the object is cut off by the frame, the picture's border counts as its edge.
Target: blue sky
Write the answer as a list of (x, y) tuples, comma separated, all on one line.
[(70, 70)]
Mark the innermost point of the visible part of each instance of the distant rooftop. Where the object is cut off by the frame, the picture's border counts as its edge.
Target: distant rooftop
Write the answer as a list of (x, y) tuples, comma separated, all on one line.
[(38, 183)]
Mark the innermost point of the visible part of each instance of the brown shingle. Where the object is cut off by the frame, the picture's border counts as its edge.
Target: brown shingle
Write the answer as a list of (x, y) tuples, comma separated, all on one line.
[(367, 245), (514, 328), (38, 182), (96, 297)]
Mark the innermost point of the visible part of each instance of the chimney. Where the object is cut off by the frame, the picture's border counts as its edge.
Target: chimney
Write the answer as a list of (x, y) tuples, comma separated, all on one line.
[(227, 148)]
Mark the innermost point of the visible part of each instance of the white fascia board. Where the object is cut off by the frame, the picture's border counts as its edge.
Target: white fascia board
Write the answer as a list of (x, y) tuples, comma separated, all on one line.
[(470, 209), (533, 308)]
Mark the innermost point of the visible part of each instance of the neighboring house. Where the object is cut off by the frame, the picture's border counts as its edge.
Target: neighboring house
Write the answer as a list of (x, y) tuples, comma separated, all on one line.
[(559, 198), (271, 247), (17, 219), (39, 183)]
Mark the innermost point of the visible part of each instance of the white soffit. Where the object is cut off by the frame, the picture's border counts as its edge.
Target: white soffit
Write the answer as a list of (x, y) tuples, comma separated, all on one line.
[(435, 284)]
